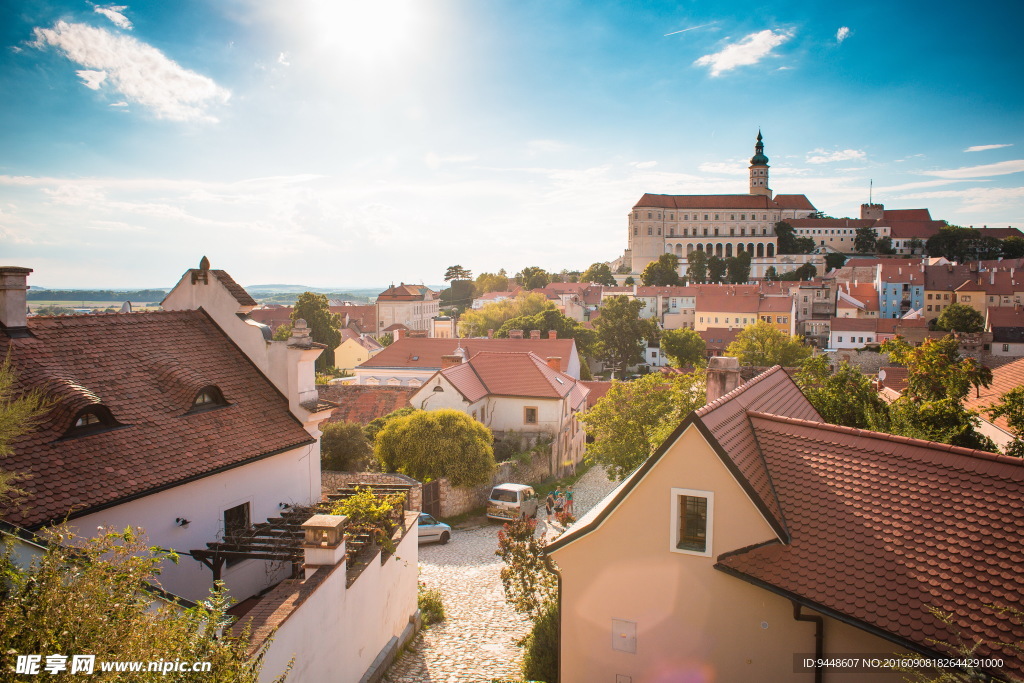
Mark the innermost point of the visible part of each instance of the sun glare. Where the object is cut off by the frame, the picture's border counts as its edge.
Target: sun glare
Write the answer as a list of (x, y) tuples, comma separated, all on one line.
[(366, 31)]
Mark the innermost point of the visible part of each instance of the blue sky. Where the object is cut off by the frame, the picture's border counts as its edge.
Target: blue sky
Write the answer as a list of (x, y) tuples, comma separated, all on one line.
[(328, 142)]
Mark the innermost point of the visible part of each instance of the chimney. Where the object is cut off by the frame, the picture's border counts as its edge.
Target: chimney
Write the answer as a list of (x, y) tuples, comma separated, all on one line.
[(555, 363), (723, 376), (534, 334), (397, 334), (300, 335), (992, 277), (323, 542), (13, 304), (449, 360), (490, 334), (552, 334), (515, 334)]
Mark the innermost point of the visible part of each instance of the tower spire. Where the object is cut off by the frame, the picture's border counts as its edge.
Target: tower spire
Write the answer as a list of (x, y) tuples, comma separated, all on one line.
[(759, 169)]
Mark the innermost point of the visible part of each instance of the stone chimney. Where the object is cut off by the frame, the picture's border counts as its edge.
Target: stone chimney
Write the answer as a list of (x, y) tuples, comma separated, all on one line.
[(323, 543), (13, 304), (552, 334), (451, 359), (397, 334), (300, 335), (534, 334), (723, 376), (490, 334), (555, 363), (515, 334)]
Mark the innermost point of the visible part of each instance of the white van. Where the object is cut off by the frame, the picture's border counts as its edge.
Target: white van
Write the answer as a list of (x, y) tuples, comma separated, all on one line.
[(512, 501)]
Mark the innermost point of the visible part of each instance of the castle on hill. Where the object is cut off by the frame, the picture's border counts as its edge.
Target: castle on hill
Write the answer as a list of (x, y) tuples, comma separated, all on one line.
[(719, 224)]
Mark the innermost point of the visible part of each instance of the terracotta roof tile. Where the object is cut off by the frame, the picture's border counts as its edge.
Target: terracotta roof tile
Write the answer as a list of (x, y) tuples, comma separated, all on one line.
[(237, 291), (508, 374), (884, 526), (146, 368), (426, 353), (362, 404), (705, 201)]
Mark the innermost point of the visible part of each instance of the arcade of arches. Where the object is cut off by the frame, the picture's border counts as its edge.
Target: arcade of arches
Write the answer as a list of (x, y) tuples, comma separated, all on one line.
[(724, 249)]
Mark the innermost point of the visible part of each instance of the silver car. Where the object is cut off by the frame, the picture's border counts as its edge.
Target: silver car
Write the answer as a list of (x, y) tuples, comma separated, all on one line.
[(432, 530)]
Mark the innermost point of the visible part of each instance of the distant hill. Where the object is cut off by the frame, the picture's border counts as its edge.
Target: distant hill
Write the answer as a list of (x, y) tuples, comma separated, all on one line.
[(42, 294)]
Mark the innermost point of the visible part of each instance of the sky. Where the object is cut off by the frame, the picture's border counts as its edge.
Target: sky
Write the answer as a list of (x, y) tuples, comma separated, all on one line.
[(355, 144)]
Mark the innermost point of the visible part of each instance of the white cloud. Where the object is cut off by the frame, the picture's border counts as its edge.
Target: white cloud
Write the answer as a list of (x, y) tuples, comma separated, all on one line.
[(842, 34), (434, 160), (821, 156), (114, 13), (752, 49), (984, 148), (1002, 168), (977, 198), (119, 104), (643, 164), (542, 146), (92, 79), (282, 59), (137, 71)]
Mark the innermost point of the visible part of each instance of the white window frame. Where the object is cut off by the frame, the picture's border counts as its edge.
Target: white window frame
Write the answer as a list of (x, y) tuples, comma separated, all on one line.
[(673, 537)]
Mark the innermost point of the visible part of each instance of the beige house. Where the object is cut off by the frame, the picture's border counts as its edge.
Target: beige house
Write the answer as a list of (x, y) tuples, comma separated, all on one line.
[(513, 392), (409, 305), (758, 535), (355, 349)]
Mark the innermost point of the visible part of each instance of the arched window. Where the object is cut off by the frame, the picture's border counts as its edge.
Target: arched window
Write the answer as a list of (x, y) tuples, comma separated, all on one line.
[(207, 398), (760, 250), (771, 250), (95, 418), (728, 250)]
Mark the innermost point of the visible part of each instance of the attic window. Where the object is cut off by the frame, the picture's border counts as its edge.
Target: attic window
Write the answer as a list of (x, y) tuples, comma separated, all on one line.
[(90, 420), (207, 398)]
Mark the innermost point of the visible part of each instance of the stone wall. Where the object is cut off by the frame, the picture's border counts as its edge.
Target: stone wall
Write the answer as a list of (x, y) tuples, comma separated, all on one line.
[(332, 481), (869, 362), (457, 500)]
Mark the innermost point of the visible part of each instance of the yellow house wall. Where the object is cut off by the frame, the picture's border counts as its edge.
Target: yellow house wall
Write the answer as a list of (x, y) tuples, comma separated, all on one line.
[(708, 319), (350, 354), (693, 622)]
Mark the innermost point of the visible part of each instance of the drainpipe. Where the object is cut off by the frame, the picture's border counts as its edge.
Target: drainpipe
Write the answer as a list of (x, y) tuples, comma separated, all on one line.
[(819, 638), (558, 575)]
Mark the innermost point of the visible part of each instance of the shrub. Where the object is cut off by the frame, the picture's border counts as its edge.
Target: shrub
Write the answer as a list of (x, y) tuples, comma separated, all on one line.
[(430, 604), (540, 647), (440, 443), (564, 518), (343, 447)]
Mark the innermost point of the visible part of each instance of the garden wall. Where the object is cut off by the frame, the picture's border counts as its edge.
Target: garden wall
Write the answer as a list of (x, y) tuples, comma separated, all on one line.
[(457, 500)]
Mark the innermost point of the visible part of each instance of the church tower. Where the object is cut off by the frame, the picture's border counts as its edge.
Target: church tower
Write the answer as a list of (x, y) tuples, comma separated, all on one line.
[(759, 170)]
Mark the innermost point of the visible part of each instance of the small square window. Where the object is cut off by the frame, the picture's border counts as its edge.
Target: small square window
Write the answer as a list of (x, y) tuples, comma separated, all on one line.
[(1006, 348), (692, 517), (530, 416)]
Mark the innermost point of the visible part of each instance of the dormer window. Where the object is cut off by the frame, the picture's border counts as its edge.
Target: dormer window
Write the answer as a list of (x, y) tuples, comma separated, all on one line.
[(207, 398), (96, 418)]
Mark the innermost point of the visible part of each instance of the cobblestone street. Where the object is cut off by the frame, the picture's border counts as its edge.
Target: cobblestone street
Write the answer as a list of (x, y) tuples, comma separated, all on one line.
[(476, 642)]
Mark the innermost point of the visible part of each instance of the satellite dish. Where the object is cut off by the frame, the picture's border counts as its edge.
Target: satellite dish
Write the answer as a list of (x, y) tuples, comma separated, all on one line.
[(881, 375)]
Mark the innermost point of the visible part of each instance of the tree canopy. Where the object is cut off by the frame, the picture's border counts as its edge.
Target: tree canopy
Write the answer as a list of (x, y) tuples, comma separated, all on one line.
[(630, 421), (1011, 406), (716, 268), (844, 397), (738, 267), (552, 319), (959, 317), (600, 274), (789, 243), (533, 277), (428, 445), (762, 345), (19, 413), (475, 323), (324, 326), (697, 266), (344, 447), (457, 273), (834, 260), (866, 240), (1013, 247), (491, 282), (961, 244), (683, 347), (662, 273), (621, 333)]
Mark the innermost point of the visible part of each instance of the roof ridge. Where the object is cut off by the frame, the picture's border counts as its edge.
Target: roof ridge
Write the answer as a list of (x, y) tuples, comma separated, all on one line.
[(707, 408), (882, 436)]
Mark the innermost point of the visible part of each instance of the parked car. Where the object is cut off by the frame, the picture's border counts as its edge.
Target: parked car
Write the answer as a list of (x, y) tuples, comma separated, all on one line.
[(511, 501), (432, 530)]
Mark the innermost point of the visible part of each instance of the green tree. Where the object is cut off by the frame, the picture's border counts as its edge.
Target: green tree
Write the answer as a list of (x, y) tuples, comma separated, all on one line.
[(771, 274), (324, 326), (551, 319), (457, 273), (865, 240), (697, 266), (716, 268), (1013, 247), (916, 245), (491, 282), (789, 243), (600, 274), (739, 267), (961, 244), (533, 277), (344, 447), (834, 260), (959, 317), (475, 323), (621, 333), (762, 345), (629, 281), (844, 397), (386, 339), (683, 347), (630, 421), (1011, 406), (375, 425), (884, 246), (662, 273), (20, 412), (97, 599), (439, 443)]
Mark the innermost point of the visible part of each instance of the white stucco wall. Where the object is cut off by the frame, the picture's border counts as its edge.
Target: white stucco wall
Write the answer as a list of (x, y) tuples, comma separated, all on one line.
[(337, 633), (290, 477)]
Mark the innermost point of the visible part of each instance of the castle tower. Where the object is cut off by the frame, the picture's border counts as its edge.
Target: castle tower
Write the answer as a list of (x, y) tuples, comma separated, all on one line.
[(759, 170)]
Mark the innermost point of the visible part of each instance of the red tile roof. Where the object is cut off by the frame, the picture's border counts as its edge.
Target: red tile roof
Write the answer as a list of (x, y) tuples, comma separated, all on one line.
[(241, 296), (404, 292), (426, 353), (705, 201), (906, 215), (884, 527), (1004, 377), (794, 201), (597, 391), (902, 229), (1005, 316), (775, 304), (362, 404), (851, 223), (509, 374), (727, 303), (146, 368)]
